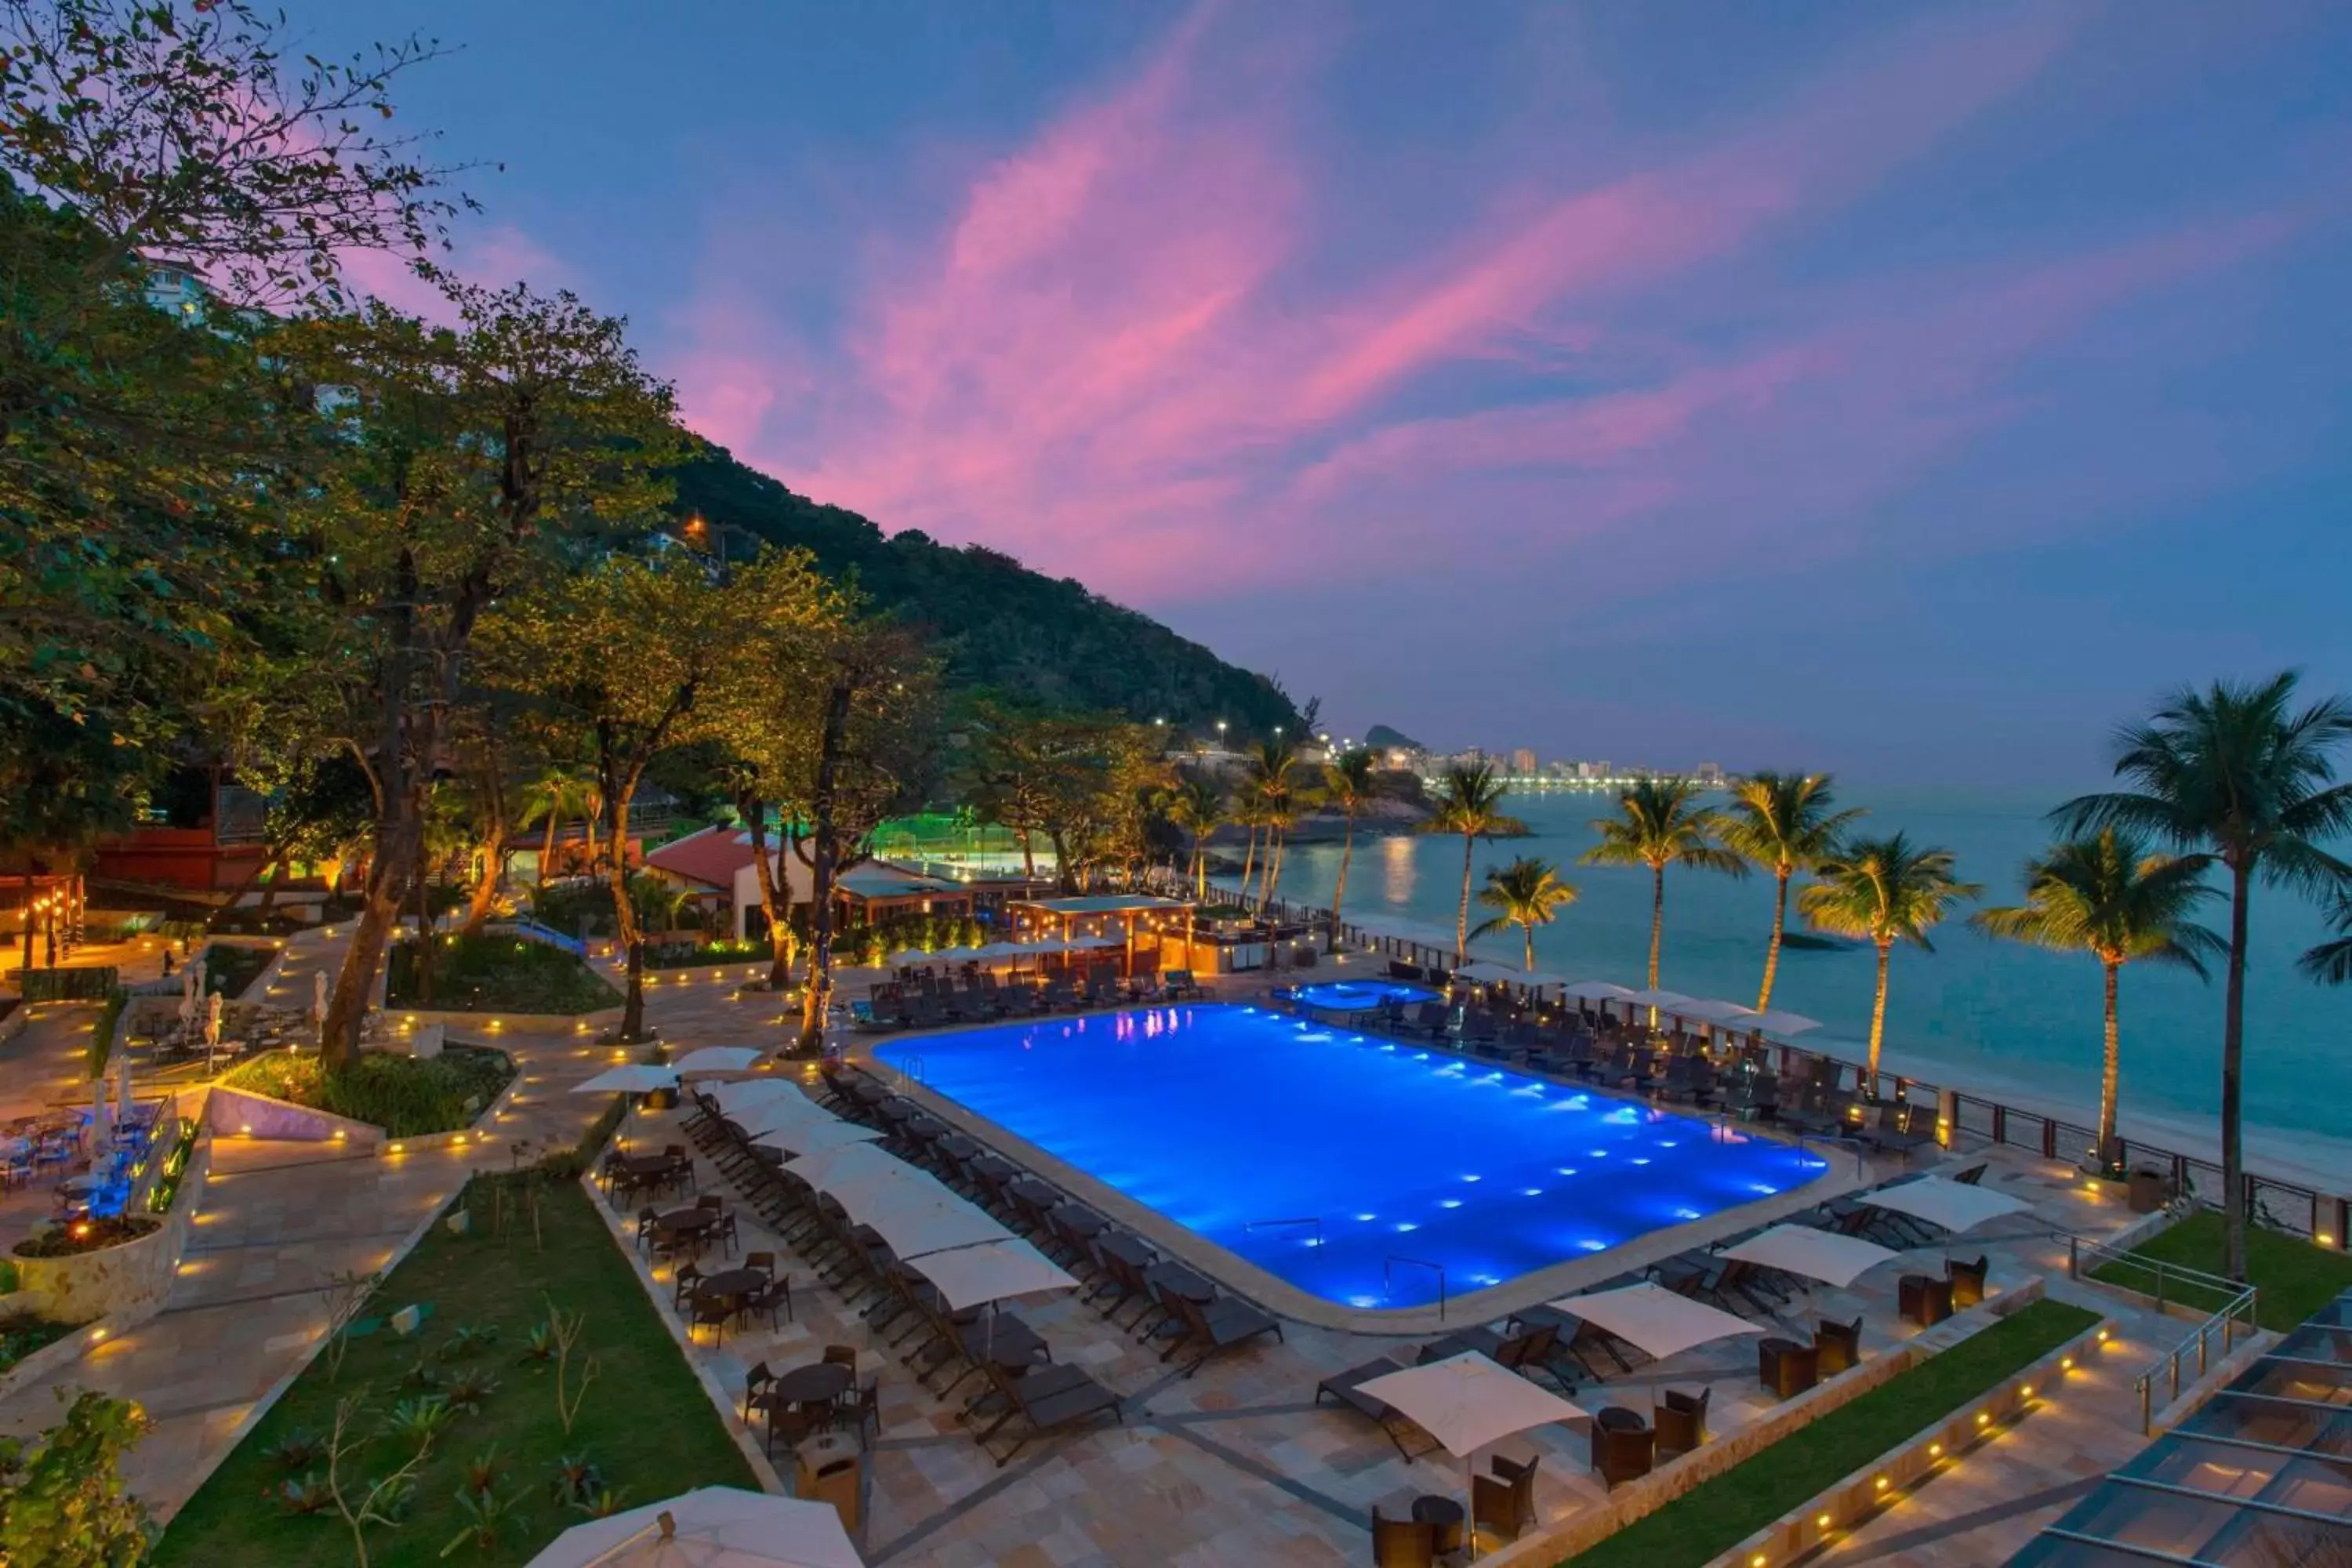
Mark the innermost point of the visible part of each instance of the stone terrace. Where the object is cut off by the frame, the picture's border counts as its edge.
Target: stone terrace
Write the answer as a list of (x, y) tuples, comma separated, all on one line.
[(1238, 1465)]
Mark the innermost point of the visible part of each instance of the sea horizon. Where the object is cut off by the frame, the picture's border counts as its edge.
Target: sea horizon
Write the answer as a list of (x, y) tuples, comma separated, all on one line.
[(1995, 1018)]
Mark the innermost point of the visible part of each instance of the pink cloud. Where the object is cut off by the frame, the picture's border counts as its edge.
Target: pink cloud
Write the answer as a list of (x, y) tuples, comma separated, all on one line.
[(1119, 354)]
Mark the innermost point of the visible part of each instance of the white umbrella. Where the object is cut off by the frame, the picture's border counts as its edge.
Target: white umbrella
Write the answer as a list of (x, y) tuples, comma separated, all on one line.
[(1655, 1319), (814, 1137), (1821, 1255), (318, 996), (1667, 1000), (212, 1027), (1467, 1401), (915, 1230), (776, 1115), (712, 1527), (991, 1271), (740, 1096), (196, 978), (123, 1086), (855, 1163), (717, 1058), (1493, 973), (631, 1079), (101, 1122), (1705, 1012), (1952, 1204), (1773, 1021), (869, 1199), (1598, 991)]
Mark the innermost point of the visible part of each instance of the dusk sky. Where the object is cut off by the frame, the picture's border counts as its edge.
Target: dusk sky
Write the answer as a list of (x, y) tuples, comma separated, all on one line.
[(1913, 391)]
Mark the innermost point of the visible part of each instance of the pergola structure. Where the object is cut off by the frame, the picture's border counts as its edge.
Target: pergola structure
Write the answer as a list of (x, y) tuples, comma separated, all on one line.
[(1123, 915)]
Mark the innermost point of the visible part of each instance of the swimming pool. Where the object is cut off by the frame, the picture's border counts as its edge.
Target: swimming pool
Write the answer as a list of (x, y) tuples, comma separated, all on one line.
[(1350, 1165), (1362, 995)]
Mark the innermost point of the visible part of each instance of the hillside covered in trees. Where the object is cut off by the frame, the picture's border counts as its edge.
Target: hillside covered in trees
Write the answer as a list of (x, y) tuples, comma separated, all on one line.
[(1048, 639)]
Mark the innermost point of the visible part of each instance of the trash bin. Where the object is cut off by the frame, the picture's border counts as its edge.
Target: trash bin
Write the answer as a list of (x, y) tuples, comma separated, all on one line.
[(831, 1468), (2148, 1192)]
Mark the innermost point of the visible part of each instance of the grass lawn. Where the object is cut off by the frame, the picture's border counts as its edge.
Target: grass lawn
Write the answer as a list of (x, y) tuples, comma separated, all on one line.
[(406, 1096), (2295, 1277), (646, 1423), (1704, 1522), (496, 974)]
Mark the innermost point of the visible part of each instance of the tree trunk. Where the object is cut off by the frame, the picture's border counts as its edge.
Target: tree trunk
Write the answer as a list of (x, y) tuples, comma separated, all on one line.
[(547, 845), (1340, 889), (1273, 869), (418, 884), (2110, 1072), (776, 906), (1878, 1016), (486, 892), (1530, 932), (1028, 855), (2233, 1046), (26, 967), (816, 996), (624, 921), (1779, 925), (1199, 868), (213, 920), (390, 857), (1249, 861), (1657, 926), (1462, 916), (1066, 869), (269, 889)]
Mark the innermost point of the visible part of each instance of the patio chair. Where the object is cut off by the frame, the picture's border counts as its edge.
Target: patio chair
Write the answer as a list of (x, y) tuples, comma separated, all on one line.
[(1403, 1543), (756, 1381), (1048, 1400), (1505, 1502), (1622, 1452), (1839, 1346), (1347, 1388), (682, 1285), (712, 1313), (1679, 1419), (1968, 1281), (1179, 986), (1224, 1323)]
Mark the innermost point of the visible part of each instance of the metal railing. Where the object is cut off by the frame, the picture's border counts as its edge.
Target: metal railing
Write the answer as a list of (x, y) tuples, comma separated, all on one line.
[(531, 930), (2169, 1284)]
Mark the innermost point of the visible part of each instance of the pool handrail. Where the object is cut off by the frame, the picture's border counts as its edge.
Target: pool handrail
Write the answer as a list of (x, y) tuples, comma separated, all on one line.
[(1387, 1266)]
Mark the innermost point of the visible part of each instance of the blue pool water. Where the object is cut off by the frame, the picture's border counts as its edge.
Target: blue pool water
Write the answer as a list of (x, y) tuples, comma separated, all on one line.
[(1362, 995), (1227, 1118)]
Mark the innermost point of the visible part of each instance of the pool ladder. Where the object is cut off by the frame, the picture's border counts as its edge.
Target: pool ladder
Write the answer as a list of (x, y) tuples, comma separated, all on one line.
[(1270, 1224), (1388, 1278), (913, 1069)]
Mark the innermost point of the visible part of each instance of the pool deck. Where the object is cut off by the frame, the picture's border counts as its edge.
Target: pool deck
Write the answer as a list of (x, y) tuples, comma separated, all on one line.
[(1848, 1169)]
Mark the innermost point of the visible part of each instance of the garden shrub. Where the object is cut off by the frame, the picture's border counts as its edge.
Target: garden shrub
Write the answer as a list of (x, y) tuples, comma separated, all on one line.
[(406, 1096)]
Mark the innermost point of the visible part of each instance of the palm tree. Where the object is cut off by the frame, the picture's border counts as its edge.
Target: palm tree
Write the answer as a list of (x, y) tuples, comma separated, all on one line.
[(2330, 964), (1887, 890), (2106, 895), (1659, 823), (1781, 823), (1468, 801), (1272, 778), (1349, 783), (1197, 807), (1523, 894), (558, 796), (2234, 775)]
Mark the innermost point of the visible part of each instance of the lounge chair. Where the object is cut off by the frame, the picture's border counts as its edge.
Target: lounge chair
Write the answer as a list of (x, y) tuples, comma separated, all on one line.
[(1045, 1400), (1347, 1388), (1179, 986), (1894, 1134), (1222, 1324)]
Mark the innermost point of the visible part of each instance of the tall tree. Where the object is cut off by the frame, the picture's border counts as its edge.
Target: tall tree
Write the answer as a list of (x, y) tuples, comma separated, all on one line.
[(1197, 807), (2236, 774), (470, 462), (1349, 783), (628, 651), (1885, 890), (873, 742), (1468, 800), (1526, 893), (1784, 824), (1272, 777), (2106, 895), (1659, 822)]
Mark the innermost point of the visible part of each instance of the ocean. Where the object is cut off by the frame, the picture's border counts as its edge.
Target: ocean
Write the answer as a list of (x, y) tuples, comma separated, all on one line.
[(1975, 1012)]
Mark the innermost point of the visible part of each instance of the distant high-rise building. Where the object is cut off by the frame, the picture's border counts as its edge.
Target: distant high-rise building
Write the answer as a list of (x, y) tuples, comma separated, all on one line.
[(1709, 774), (1523, 762)]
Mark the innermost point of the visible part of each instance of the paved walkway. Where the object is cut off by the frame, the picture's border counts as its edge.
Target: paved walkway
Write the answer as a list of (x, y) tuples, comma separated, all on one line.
[(1984, 1507), (276, 1225)]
